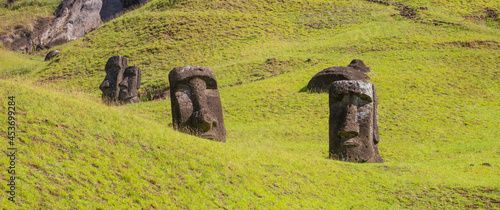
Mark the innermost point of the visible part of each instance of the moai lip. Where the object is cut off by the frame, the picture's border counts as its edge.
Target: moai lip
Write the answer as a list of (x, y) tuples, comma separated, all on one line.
[(196, 105), (354, 135), (322, 80)]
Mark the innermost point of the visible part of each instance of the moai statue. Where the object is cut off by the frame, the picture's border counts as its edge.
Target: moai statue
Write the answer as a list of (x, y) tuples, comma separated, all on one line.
[(121, 84), (354, 135), (196, 105), (129, 86), (354, 71)]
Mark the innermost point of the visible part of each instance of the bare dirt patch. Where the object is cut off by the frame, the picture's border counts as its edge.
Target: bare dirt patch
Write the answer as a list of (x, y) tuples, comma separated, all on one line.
[(477, 44), (411, 13)]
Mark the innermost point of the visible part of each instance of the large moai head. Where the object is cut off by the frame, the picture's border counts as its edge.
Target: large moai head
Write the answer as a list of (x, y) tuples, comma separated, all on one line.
[(322, 80), (196, 106), (115, 67), (130, 84), (354, 135)]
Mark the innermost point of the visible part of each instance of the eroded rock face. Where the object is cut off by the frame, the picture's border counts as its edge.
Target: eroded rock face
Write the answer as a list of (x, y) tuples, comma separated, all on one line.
[(196, 105), (73, 19), (121, 84), (322, 80), (354, 135), (112, 8)]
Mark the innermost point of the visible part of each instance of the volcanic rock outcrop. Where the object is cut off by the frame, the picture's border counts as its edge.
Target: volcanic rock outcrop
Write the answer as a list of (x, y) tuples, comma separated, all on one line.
[(196, 105), (73, 19)]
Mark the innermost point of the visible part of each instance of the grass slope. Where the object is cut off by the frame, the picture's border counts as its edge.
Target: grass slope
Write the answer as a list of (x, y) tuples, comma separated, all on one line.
[(23, 14), (439, 109)]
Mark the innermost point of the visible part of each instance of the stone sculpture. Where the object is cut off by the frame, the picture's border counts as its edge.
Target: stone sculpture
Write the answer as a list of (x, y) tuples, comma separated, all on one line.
[(354, 134), (129, 86), (322, 80), (196, 105), (121, 83)]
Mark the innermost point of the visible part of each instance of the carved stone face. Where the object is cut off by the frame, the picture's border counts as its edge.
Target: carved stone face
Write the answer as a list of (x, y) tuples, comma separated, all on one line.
[(353, 122), (129, 85), (115, 68), (196, 106)]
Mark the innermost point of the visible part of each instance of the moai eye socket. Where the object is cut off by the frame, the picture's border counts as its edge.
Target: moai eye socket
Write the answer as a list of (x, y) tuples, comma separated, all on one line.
[(336, 97), (184, 104)]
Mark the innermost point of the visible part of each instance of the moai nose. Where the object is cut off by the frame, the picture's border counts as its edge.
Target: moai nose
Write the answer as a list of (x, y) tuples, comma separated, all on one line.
[(204, 120), (123, 84), (104, 85), (349, 127)]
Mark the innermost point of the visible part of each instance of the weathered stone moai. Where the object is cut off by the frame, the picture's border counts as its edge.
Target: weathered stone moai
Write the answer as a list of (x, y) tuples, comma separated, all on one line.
[(196, 105), (322, 80), (130, 84), (121, 83), (354, 135)]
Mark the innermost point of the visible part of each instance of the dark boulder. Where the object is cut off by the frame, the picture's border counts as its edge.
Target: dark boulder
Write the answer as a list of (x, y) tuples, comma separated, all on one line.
[(322, 80), (359, 65), (51, 55)]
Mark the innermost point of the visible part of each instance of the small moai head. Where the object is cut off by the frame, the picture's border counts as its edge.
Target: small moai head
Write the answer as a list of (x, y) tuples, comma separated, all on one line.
[(354, 135), (196, 105), (130, 84), (115, 67)]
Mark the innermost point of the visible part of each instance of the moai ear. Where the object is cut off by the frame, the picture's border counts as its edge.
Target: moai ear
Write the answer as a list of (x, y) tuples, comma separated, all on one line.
[(376, 136)]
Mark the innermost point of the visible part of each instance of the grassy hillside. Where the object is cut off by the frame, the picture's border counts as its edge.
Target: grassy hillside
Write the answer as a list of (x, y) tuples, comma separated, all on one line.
[(24, 13), (437, 79)]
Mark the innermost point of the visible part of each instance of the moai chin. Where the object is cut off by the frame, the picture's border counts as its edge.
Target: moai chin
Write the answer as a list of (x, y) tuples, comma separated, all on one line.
[(354, 135), (196, 105), (121, 83)]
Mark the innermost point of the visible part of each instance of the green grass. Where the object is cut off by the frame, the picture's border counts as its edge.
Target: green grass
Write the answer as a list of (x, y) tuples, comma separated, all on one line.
[(14, 64), (24, 13), (439, 110)]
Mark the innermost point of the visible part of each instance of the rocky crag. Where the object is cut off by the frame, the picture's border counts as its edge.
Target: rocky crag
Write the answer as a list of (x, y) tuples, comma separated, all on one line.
[(73, 19)]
